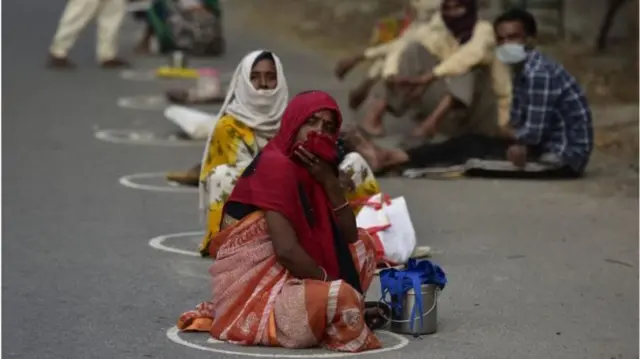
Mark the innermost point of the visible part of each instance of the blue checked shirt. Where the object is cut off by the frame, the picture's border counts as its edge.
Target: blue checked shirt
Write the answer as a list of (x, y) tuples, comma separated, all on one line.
[(550, 112)]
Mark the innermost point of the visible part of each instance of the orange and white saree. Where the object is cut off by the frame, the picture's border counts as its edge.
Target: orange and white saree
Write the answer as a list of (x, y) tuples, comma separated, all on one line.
[(257, 302)]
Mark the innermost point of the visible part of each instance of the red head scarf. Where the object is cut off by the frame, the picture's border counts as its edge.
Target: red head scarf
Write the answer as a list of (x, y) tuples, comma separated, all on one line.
[(276, 182), (462, 27)]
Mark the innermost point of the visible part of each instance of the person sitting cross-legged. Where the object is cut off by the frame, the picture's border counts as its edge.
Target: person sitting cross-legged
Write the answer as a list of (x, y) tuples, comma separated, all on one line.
[(550, 119)]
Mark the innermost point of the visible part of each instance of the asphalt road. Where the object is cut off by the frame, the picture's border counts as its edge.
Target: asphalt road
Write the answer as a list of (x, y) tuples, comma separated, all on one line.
[(536, 270)]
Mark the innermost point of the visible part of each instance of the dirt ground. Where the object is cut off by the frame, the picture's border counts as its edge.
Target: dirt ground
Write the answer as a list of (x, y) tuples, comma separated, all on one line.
[(610, 79)]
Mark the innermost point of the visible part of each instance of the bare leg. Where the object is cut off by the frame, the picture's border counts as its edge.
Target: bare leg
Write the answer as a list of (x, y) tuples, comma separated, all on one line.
[(360, 93), (429, 125), (372, 122), (380, 159), (109, 19), (377, 158), (75, 18), (364, 147), (393, 157)]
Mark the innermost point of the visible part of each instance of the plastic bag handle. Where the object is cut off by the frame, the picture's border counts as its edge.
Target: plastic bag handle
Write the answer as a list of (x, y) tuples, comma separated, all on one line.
[(385, 200)]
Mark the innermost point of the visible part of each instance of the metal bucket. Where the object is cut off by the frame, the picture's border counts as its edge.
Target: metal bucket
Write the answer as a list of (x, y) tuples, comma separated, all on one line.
[(401, 321), (178, 60)]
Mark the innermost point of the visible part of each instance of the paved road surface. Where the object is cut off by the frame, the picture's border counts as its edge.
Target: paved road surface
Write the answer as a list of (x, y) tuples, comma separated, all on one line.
[(535, 272)]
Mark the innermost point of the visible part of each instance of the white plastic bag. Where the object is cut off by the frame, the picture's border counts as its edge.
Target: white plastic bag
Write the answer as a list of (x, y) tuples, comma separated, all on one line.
[(196, 124), (391, 222)]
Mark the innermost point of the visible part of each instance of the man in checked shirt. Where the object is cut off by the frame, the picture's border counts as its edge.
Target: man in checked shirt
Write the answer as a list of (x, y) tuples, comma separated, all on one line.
[(550, 120)]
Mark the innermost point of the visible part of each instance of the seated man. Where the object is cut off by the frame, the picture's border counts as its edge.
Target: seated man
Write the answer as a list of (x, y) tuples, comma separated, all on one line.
[(389, 36), (448, 76), (550, 119)]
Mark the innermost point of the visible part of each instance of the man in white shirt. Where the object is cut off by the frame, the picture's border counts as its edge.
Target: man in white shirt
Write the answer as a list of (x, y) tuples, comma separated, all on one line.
[(422, 12), (77, 14)]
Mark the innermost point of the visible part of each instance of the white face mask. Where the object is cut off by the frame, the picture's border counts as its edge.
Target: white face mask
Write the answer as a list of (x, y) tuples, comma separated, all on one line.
[(263, 99), (511, 53)]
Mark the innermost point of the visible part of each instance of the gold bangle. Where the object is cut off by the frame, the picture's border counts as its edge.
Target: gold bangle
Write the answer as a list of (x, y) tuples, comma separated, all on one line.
[(342, 206)]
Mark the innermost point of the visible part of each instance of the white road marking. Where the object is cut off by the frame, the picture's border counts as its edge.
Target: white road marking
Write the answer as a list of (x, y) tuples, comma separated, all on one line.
[(138, 75), (172, 334), (144, 102), (158, 243), (129, 181)]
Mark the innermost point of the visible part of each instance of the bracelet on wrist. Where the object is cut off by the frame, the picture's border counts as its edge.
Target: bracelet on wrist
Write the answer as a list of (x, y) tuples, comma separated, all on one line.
[(341, 207), (324, 274)]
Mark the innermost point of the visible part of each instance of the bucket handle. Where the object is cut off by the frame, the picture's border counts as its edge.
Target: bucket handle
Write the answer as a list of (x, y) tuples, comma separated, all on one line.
[(435, 302)]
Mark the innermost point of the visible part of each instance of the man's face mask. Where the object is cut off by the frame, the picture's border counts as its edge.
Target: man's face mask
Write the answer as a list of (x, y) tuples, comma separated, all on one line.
[(511, 53)]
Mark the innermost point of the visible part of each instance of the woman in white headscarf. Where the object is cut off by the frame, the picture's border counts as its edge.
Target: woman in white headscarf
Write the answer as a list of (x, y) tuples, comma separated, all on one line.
[(249, 118)]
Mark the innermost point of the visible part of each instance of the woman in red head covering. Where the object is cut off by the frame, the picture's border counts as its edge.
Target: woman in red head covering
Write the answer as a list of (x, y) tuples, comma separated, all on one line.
[(291, 267)]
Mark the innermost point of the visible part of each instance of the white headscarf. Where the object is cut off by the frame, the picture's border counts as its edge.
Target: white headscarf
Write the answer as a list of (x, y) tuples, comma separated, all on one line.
[(261, 110)]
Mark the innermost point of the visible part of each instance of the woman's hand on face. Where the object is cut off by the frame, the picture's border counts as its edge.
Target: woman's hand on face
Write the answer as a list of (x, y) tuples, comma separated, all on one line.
[(319, 169)]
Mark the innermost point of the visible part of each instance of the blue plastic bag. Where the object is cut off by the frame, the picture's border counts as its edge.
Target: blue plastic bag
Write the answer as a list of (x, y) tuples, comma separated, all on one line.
[(397, 282)]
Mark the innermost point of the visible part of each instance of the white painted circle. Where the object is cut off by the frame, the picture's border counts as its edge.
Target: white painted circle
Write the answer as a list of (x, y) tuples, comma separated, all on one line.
[(173, 335), (144, 138), (144, 102), (132, 181), (138, 75), (158, 243)]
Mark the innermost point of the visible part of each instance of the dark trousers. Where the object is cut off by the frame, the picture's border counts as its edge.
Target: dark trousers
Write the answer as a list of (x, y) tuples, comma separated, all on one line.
[(459, 150)]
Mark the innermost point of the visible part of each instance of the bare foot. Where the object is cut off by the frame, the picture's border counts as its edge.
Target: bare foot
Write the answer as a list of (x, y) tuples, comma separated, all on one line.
[(370, 153), (394, 157), (372, 130), (378, 158)]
